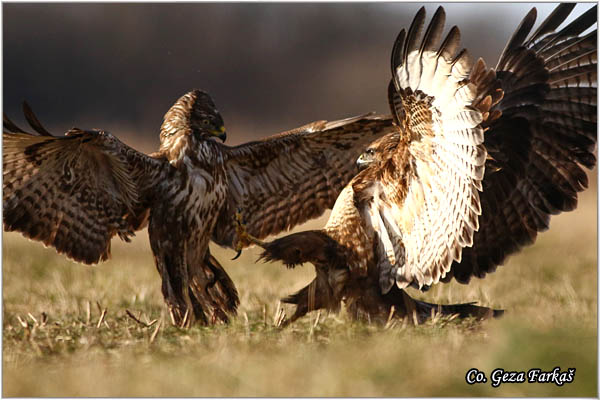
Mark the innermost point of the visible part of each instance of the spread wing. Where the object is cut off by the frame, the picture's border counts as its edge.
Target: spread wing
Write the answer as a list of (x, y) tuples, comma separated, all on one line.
[(289, 178), (423, 198), (75, 192), (546, 135)]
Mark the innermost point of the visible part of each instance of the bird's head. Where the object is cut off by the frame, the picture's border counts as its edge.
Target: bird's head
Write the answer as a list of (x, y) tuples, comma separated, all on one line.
[(193, 114), (205, 120), (368, 157), (378, 151)]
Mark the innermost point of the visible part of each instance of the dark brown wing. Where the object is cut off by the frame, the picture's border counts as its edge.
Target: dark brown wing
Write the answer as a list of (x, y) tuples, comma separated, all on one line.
[(76, 192), (289, 178), (546, 135)]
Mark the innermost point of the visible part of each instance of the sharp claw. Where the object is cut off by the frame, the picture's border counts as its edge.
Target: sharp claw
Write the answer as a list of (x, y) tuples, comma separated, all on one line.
[(242, 234)]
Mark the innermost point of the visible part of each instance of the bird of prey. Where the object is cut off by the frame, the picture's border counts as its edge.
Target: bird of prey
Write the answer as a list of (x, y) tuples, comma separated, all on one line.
[(77, 191), (480, 160)]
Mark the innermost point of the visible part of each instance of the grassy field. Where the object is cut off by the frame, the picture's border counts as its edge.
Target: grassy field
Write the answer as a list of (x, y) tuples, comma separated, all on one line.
[(54, 346)]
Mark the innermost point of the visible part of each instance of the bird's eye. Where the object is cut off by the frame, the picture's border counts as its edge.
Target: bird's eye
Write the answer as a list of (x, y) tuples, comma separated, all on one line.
[(205, 122), (370, 152)]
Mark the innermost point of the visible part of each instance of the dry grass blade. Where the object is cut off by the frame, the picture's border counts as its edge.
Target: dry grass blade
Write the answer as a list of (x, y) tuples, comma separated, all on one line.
[(415, 318), (23, 323), (453, 317), (388, 323), (280, 318), (155, 333), (172, 316), (279, 315), (88, 312), (317, 319), (435, 316), (313, 326), (276, 313), (35, 321), (101, 319), (184, 323), (246, 324), (404, 322)]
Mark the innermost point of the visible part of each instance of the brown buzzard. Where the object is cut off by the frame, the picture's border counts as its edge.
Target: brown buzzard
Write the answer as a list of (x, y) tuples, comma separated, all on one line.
[(76, 192), (480, 160)]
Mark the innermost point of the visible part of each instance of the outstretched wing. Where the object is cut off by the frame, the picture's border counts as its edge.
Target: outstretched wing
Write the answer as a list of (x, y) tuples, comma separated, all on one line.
[(546, 135), (76, 192), (423, 198), (294, 176)]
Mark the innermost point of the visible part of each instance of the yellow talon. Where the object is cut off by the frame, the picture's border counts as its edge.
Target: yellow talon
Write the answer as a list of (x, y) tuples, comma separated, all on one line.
[(243, 238), (240, 230)]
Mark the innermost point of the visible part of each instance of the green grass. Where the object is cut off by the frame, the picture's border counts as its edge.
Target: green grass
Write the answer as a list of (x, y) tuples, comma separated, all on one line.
[(549, 291)]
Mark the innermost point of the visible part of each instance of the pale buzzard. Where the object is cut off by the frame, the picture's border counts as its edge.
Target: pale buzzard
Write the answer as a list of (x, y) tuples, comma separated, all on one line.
[(480, 160)]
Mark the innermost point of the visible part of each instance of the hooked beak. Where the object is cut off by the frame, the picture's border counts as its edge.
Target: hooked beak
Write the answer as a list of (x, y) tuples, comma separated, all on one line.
[(361, 163), (221, 133)]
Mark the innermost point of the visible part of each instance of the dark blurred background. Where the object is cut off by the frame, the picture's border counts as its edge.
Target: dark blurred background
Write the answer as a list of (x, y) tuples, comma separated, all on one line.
[(269, 67)]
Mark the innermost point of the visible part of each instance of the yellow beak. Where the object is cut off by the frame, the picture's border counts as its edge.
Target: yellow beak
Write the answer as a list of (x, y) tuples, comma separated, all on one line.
[(220, 133)]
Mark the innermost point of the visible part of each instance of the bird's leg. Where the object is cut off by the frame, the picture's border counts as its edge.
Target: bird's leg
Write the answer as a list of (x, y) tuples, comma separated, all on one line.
[(244, 239)]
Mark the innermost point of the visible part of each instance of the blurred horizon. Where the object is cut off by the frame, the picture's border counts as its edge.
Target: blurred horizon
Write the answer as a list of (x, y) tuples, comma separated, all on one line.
[(269, 67)]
